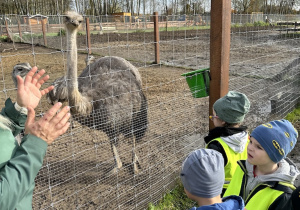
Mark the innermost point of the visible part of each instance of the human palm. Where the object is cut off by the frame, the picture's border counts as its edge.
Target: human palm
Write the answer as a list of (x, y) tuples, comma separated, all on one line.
[(29, 93)]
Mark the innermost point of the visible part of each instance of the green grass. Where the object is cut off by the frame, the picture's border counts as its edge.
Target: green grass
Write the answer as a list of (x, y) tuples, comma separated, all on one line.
[(294, 116), (176, 199)]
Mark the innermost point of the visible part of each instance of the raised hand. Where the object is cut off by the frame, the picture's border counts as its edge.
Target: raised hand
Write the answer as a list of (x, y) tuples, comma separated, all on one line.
[(29, 93), (51, 125)]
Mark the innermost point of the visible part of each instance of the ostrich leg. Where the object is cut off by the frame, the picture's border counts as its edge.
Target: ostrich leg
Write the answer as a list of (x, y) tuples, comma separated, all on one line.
[(135, 160), (118, 162)]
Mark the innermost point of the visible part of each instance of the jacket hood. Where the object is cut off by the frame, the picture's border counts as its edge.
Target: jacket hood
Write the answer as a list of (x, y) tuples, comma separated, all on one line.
[(237, 142), (286, 172)]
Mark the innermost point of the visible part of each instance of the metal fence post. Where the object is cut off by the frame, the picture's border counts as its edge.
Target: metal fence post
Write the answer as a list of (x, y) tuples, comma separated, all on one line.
[(156, 37)]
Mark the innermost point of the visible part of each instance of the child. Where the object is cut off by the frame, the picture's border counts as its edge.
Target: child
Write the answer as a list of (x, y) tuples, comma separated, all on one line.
[(202, 176), (265, 180), (228, 137)]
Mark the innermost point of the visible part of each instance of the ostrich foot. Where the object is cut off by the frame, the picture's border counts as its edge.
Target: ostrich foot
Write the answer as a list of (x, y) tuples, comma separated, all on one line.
[(136, 165), (112, 171), (116, 168), (118, 162)]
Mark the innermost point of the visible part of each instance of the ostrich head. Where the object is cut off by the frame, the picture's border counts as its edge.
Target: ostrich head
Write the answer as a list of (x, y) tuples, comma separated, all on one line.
[(20, 69), (72, 20), (89, 59)]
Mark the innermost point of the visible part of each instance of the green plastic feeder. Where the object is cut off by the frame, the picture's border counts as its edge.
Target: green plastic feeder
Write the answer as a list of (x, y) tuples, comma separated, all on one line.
[(198, 82)]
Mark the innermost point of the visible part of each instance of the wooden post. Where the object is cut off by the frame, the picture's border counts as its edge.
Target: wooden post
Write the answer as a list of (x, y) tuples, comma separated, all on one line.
[(156, 37), (219, 51), (20, 31), (167, 18), (44, 31), (9, 38), (88, 35)]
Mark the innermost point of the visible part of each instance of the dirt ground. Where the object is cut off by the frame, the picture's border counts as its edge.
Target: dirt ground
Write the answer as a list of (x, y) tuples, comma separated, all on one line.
[(74, 174)]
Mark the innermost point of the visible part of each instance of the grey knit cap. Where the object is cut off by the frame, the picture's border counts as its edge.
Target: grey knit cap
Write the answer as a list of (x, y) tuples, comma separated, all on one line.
[(202, 173), (233, 107)]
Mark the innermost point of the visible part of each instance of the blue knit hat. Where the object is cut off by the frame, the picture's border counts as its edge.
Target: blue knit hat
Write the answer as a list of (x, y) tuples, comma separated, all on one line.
[(278, 138), (232, 107), (202, 173)]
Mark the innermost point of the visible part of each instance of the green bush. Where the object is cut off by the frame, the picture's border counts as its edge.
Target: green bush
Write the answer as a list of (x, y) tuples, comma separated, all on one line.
[(3, 38), (236, 25), (29, 36), (248, 24), (260, 23), (294, 116), (62, 32), (16, 38)]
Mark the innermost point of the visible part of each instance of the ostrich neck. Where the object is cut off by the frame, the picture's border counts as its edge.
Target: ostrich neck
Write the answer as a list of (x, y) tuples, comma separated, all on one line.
[(72, 61)]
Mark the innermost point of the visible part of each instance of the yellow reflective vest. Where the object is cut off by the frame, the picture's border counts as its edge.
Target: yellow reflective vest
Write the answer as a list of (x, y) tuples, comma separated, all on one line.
[(232, 159), (262, 196)]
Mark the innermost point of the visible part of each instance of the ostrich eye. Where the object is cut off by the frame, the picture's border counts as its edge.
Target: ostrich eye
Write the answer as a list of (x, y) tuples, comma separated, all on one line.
[(80, 21), (19, 69)]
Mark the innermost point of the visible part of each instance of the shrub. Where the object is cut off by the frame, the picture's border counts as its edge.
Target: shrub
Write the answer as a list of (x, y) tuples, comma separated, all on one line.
[(62, 32), (247, 24), (236, 25), (260, 23), (3, 38)]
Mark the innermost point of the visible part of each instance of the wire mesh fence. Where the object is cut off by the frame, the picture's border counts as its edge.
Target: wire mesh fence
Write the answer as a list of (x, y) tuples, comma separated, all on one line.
[(264, 64)]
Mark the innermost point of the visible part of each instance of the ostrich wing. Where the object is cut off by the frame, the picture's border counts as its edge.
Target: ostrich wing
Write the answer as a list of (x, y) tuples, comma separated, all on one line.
[(60, 91)]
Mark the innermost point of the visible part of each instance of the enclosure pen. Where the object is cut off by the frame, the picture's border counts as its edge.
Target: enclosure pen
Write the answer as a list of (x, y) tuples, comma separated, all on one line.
[(264, 64)]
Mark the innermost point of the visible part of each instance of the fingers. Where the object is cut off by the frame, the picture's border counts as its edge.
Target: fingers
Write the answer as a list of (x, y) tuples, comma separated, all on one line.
[(40, 82), (51, 112), (62, 117), (30, 74), (20, 82), (47, 90), (64, 129), (34, 78)]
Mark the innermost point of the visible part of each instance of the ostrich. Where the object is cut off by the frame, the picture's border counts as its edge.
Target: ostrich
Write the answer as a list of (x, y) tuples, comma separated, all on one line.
[(106, 96), (20, 69)]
